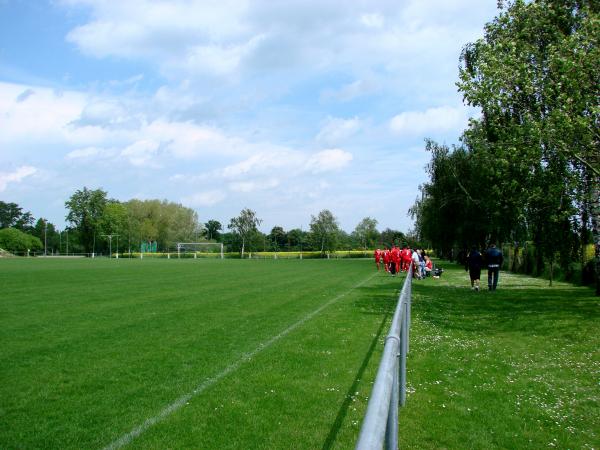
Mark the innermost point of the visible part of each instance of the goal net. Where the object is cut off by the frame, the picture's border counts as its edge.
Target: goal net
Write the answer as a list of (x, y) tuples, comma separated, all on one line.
[(199, 249)]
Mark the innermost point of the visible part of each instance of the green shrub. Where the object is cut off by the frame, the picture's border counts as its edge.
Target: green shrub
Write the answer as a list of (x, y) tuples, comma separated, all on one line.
[(14, 240)]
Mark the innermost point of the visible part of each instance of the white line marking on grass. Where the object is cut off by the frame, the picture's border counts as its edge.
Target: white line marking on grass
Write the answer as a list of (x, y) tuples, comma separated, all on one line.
[(177, 404)]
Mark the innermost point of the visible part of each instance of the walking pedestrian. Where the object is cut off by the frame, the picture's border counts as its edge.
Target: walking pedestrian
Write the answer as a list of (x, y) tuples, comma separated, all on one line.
[(473, 264), (493, 260)]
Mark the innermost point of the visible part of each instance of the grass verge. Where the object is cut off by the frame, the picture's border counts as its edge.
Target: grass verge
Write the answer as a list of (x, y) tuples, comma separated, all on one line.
[(514, 368)]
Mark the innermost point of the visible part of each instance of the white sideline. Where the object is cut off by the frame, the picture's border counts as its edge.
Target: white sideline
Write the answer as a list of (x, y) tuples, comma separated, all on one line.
[(177, 404)]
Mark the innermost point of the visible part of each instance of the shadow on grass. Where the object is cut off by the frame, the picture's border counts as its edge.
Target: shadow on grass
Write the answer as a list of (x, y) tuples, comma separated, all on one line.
[(511, 308), (343, 411), (380, 299)]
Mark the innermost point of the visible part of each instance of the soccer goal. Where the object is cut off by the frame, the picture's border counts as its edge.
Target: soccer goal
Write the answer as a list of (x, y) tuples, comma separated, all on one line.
[(185, 248)]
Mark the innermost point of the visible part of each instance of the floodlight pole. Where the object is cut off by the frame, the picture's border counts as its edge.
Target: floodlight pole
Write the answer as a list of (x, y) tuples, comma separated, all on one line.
[(110, 236), (45, 237)]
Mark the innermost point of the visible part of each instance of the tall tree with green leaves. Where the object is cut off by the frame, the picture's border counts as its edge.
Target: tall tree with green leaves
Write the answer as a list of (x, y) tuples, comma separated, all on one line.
[(244, 226), (277, 238), (12, 215), (212, 229), (535, 77), (366, 233), (86, 208), (324, 229)]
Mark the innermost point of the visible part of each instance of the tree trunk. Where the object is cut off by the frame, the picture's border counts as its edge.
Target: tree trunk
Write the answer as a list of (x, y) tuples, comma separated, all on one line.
[(243, 244)]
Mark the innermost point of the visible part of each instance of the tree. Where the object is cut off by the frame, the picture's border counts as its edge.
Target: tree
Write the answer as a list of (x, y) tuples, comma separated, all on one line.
[(392, 237), (324, 228), (535, 77), (15, 240), (244, 225), (86, 208), (212, 228), (114, 222), (277, 238), (161, 221), (47, 234), (297, 239), (366, 232), (12, 215)]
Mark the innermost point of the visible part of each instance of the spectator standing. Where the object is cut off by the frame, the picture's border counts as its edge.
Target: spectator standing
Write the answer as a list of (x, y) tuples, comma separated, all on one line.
[(416, 265), (493, 260)]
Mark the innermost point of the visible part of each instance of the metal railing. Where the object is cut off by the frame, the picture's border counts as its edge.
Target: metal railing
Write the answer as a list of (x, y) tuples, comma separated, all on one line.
[(380, 424)]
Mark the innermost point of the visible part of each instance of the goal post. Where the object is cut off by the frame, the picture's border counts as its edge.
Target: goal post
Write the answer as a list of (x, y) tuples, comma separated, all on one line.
[(195, 246)]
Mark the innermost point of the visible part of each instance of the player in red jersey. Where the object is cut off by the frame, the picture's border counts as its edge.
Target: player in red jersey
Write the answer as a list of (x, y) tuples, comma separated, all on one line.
[(396, 258), (406, 256), (386, 260), (377, 255)]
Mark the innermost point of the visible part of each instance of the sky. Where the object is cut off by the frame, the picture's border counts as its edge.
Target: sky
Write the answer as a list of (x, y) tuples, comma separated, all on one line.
[(284, 107)]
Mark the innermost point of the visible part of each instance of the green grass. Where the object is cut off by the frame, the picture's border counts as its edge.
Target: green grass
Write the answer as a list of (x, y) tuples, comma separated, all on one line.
[(91, 349), (515, 368)]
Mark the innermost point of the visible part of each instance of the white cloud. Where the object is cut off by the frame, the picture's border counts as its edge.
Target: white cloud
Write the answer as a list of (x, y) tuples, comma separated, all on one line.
[(278, 159), (206, 198), (141, 153), (351, 91), (328, 160), (440, 119), (226, 37), (254, 185), (337, 129), (87, 152), (30, 113), (15, 177), (372, 20)]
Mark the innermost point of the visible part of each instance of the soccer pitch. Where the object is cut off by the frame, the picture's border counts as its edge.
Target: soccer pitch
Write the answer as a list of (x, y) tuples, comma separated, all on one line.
[(189, 353)]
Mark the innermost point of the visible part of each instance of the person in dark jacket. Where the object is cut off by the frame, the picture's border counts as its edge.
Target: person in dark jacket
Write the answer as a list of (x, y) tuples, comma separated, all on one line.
[(473, 263), (493, 260)]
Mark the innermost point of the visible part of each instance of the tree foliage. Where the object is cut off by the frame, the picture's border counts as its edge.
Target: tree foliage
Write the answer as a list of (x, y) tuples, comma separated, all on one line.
[(15, 240), (366, 233), (212, 229), (85, 211), (244, 226), (324, 229), (12, 215), (529, 166)]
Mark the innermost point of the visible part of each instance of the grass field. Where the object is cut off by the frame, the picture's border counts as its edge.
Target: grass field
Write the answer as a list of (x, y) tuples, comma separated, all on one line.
[(280, 354), (518, 368), (241, 354)]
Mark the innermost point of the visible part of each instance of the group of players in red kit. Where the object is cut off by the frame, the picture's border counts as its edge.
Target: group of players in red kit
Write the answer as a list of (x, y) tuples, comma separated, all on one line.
[(395, 260)]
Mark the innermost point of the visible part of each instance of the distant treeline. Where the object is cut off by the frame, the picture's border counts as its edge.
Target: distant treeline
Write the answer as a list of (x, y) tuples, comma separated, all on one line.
[(98, 224)]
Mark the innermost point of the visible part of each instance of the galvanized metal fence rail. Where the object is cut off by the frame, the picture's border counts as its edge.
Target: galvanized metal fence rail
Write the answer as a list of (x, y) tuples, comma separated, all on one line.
[(389, 391)]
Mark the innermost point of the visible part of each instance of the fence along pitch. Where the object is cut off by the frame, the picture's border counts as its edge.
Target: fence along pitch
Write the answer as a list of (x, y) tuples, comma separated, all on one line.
[(389, 390)]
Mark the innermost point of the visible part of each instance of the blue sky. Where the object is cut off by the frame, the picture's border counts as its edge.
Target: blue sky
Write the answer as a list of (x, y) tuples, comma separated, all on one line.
[(286, 107)]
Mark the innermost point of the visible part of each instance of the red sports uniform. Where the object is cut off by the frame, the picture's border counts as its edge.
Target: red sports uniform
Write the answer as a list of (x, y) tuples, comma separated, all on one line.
[(386, 259), (377, 255)]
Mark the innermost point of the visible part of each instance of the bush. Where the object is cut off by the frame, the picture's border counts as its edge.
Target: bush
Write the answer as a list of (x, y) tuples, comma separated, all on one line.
[(15, 240)]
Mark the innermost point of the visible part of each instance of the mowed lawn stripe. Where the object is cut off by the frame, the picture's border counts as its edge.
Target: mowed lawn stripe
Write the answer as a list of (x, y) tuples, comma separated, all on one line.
[(143, 330), (181, 401)]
